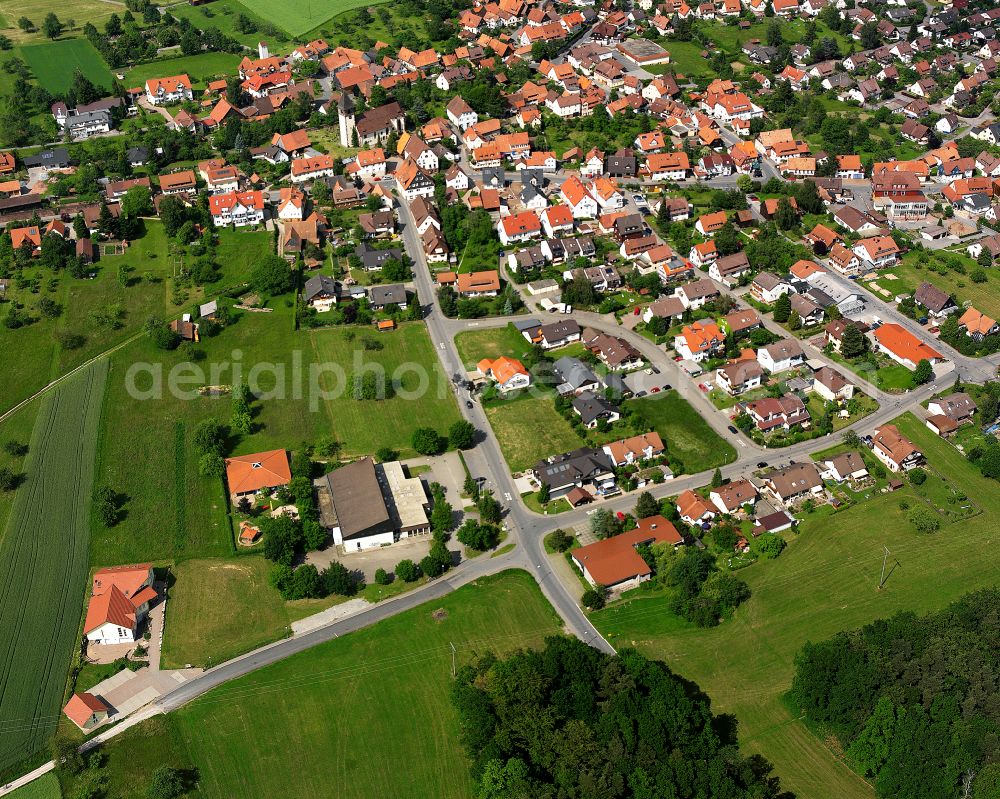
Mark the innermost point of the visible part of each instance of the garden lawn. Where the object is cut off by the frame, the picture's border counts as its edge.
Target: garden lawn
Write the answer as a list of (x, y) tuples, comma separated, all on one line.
[(220, 609), (43, 564), (692, 445), (824, 582), (529, 429), (474, 345), (299, 16), (322, 709), (685, 59), (894, 377), (200, 68), (45, 787), (54, 63)]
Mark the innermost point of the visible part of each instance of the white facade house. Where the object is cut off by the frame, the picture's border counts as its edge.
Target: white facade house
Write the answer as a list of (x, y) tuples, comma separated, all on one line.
[(162, 91), (237, 208), (781, 355)]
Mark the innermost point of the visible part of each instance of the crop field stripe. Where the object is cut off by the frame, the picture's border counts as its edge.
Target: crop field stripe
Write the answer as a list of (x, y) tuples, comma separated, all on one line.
[(43, 564)]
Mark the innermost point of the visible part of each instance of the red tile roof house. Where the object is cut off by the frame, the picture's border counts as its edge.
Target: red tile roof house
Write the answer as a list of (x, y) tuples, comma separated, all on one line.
[(896, 451), (119, 604), (248, 474), (732, 497), (87, 711), (903, 347), (160, 91), (615, 563), (693, 509)]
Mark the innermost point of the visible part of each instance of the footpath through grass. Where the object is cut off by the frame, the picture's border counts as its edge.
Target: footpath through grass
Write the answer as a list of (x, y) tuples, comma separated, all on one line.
[(825, 581), (43, 564), (307, 726)]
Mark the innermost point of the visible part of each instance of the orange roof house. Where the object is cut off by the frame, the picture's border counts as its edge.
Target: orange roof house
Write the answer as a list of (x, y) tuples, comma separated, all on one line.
[(477, 284), (901, 345), (708, 224), (297, 139), (248, 474), (176, 182), (31, 234), (120, 601), (614, 562), (509, 373), (87, 711), (693, 509), (7, 163), (977, 324)]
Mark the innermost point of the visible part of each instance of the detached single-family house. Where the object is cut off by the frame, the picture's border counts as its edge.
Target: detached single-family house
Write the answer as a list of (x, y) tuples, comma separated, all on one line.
[(897, 452), (793, 483), (119, 603), (781, 355), (615, 563), (509, 374), (733, 496)]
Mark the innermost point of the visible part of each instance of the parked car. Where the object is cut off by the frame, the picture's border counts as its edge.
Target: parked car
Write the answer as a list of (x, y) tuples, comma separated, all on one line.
[(762, 465), (733, 430)]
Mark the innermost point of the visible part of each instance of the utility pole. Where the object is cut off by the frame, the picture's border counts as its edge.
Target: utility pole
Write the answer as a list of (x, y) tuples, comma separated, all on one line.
[(453, 673), (885, 557)]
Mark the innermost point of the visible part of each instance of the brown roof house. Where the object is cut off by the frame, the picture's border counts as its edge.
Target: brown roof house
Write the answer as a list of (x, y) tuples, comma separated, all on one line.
[(793, 483), (733, 496), (958, 407), (845, 466), (614, 562), (896, 451)]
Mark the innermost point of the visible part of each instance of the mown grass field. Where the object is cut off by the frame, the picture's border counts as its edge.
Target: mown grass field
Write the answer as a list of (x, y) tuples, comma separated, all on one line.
[(220, 609), (145, 452), (691, 442), (299, 16), (54, 63), (200, 68), (80, 11), (45, 787), (424, 397), (307, 726), (824, 582), (529, 429), (43, 564)]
